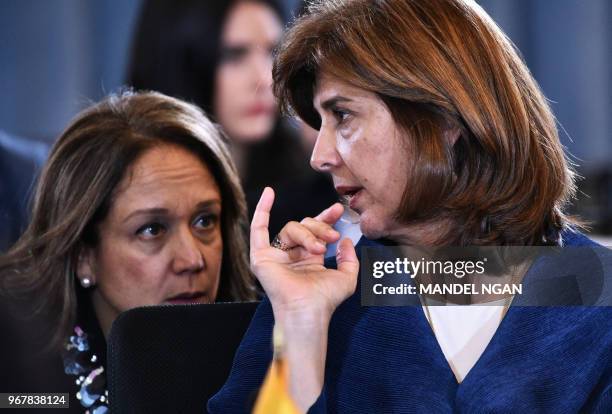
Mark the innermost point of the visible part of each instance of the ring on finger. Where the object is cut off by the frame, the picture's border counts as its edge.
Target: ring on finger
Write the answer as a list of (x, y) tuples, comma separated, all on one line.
[(279, 244)]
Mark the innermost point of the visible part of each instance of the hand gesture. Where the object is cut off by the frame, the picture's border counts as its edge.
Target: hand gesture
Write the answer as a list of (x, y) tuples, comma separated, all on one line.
[(294, 277)]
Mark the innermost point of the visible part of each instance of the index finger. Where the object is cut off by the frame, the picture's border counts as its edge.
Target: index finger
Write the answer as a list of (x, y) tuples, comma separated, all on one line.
[(260, 237)]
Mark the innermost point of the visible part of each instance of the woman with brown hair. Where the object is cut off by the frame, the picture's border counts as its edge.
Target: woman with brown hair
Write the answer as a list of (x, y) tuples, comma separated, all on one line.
[(139, 204), (437, 135)]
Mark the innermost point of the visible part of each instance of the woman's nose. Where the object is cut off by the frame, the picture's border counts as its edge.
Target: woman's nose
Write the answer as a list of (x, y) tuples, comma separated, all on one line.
[(188, 257), (324, 156)]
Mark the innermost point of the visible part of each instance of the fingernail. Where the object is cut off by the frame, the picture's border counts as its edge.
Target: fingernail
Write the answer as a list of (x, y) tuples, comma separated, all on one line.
[(322, 245)]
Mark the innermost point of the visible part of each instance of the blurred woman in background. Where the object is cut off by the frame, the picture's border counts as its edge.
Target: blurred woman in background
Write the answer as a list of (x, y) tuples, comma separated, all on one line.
[(139, 204), (218, 54)]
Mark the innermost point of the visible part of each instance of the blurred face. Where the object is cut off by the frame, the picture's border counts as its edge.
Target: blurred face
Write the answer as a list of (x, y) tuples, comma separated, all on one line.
[(161, 241), (243, 103), (360, 145)]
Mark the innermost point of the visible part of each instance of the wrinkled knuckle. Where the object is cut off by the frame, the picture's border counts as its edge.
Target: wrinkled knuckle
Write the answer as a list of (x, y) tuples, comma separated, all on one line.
[(312, 239), (327, 227)]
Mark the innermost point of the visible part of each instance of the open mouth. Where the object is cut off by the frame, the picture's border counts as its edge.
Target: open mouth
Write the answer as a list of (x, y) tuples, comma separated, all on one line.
[(349, 194), (346, 191)]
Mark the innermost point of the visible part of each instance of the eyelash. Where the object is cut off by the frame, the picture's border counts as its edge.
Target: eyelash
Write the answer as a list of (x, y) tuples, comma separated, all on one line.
[(160, 228), (141, 230), (212, 217), (341, 115), (235, 54)]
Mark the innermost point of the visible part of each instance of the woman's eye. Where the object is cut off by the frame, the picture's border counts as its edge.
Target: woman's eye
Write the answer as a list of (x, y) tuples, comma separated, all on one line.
[(233, 54), (151, 230), (206, 221), (341, 115)]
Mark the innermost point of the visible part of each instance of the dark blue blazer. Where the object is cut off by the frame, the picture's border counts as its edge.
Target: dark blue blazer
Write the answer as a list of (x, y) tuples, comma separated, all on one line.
[(387, 360)]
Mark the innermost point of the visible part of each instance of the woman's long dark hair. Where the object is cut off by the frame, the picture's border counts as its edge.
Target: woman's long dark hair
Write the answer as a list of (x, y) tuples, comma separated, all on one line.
[(177, 47), (176, 51)]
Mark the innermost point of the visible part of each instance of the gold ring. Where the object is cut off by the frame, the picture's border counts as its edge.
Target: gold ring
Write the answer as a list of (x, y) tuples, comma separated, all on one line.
[(278, 244)]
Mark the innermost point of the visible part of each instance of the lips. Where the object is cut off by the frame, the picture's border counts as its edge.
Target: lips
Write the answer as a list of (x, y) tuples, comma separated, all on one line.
[(351, 194), (347, 191), (259, 109), (187, 297)]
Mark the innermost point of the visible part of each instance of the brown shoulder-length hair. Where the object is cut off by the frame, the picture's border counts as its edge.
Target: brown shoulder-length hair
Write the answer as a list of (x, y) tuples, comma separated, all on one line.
[(440, 64), (77, 186)]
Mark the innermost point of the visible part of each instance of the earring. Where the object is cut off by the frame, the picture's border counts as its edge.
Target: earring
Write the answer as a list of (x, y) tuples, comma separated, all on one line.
[(85, 282)]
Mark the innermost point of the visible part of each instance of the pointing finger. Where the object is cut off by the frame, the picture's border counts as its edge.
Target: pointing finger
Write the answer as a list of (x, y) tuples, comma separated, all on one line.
[(260, 237)]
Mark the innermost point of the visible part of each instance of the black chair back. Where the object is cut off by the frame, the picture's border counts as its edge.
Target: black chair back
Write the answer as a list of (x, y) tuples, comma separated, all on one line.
[(172, 359)]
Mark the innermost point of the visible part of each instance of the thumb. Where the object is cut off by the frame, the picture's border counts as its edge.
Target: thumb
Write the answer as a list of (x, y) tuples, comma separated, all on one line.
[(346, 257)]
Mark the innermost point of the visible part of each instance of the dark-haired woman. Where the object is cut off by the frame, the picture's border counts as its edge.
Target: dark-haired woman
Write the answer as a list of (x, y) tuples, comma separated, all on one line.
[(139, 204), (434, 130), (218, 54)]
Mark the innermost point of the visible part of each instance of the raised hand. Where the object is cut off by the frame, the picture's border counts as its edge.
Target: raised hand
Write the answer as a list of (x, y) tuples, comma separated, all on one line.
[(295, 279), (304, 294)]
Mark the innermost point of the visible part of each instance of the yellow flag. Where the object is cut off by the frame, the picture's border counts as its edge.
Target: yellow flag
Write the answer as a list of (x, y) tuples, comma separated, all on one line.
[(274, 395)]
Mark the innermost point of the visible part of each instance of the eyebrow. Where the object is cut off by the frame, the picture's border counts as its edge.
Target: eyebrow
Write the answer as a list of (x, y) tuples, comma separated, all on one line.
[(161, 211), (331, 102)]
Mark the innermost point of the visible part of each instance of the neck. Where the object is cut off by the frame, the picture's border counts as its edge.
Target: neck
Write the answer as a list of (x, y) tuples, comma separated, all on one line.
[(105, 312), (239, 154)]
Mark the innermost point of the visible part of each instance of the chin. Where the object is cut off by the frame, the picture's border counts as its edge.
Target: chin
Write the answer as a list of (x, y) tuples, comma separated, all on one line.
[(253, 132), (376, 223), (248, 137), (371, 228)]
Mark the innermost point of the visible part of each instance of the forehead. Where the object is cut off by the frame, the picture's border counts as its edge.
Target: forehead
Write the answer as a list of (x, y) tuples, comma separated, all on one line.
[(328, 87), (249, 21), (164, 171)]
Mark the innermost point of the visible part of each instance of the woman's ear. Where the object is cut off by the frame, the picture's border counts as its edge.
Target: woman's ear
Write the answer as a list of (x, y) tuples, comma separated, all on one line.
[(85, 268), (452, 134)]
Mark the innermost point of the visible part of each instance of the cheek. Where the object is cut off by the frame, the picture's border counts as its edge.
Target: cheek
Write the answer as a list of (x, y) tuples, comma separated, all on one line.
[(384, 177), (213, 254), (127, 279), (227, 92), (371, 174), (389, 173)]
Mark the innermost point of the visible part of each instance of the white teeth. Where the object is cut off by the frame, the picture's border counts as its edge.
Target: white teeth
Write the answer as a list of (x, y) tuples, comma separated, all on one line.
[(349, 195)]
